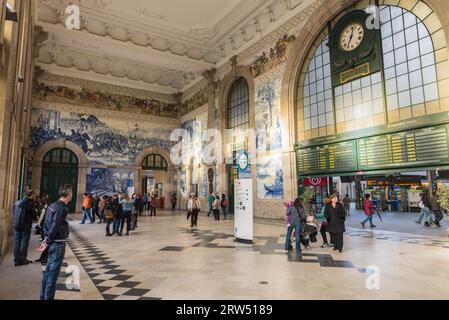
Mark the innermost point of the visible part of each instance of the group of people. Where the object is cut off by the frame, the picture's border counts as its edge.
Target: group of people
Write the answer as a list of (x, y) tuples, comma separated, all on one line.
[(429, 207), (94, 206), (25, 212), (216, 203), (52, 226), (304, 225)]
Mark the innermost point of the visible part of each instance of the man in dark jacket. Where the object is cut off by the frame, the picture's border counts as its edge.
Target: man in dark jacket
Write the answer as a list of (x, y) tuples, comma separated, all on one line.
[(23, 216), (56, 232)]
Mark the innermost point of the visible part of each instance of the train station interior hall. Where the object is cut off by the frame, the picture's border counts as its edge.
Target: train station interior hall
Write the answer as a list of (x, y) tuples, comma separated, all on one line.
[(224, 150)]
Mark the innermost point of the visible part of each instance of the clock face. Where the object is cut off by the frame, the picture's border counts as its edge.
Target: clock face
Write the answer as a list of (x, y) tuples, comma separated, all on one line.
[(352, 36)]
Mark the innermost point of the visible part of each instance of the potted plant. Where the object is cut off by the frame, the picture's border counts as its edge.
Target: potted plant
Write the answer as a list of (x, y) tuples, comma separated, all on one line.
[(443, 196)]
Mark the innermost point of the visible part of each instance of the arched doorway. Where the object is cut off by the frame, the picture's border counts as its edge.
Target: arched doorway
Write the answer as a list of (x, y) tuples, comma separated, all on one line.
[(154, 175), (60, 166)]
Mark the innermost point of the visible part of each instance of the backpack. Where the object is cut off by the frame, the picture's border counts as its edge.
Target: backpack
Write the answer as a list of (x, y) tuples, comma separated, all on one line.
[(19, 214), (224, 203)]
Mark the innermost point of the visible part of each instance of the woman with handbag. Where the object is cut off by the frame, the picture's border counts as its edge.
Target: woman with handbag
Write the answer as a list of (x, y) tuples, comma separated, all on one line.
[(108, 213), (335, 215)]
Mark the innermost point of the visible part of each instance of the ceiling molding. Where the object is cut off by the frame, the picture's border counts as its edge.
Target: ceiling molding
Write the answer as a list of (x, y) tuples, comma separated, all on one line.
[(164, 58)]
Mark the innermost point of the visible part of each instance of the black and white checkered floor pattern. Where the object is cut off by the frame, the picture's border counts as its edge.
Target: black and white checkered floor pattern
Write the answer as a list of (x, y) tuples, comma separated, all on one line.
[(111, 280)]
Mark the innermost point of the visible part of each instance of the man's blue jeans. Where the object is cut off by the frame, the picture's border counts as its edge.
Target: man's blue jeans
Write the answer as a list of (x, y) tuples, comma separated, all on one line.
[(289, 237), (87, 214), (21, 242), (56, 253)]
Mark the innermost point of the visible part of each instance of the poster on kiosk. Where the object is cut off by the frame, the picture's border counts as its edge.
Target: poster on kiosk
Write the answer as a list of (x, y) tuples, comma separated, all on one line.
[(243, 213)]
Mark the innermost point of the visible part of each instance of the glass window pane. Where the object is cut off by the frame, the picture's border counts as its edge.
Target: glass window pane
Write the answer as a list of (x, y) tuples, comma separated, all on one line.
[(404, 99), (431, 92)]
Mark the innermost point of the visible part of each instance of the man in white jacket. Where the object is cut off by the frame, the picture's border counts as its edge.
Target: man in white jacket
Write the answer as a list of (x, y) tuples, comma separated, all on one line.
[(194, 207)]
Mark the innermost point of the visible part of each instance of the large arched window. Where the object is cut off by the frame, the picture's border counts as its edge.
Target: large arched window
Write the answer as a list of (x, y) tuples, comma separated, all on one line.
[(238, 105), (413, 80), (154, 162)]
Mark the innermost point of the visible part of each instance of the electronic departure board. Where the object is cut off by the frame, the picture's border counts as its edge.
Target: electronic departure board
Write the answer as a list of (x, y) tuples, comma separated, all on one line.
[(413, 148), (338, 157)]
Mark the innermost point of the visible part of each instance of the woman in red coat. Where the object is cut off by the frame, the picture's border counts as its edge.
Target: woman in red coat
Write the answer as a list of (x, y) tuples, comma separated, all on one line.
[(368, 208)]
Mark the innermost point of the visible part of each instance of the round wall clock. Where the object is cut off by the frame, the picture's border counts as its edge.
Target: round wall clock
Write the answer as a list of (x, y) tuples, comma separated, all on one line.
[(352, 36)]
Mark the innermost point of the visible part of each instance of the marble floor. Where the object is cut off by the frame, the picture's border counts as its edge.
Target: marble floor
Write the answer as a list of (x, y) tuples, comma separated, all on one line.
[(165, 259)]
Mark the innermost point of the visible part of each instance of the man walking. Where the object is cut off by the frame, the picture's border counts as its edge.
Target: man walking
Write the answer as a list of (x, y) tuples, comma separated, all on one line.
[(56, 232), (87, 213), (23, 214)]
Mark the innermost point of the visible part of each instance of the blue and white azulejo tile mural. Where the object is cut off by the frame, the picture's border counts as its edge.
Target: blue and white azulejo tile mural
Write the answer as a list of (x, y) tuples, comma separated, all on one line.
[(106, 181), (270, 177), (268, 111), (104, 141)]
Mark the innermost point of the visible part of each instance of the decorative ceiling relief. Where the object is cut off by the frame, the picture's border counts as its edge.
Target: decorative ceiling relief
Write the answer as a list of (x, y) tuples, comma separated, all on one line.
[(162, 46)]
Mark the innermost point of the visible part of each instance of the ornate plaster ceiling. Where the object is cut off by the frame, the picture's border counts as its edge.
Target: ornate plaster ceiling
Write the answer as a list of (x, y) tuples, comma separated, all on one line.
[(159, 45)]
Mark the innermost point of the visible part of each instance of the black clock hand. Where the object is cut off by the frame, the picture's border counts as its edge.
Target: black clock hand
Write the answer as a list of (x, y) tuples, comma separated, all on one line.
[(352, 36)]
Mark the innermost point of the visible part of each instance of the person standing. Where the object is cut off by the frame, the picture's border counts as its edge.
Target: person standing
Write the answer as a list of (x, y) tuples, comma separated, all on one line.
[(335, 214), (174, 200), (153, 204), (56, 232), (101, 206), (135, 211), (95, 208), (24, 213), (117, 212), (194, 207), (436, 209), (224, 205), (109, 214), (295, 216), (86, 209), (216, 208), (145, 202), (323, 229), (347, 204), (45, 202), (210, 202), (368, 208), (127, 205)]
